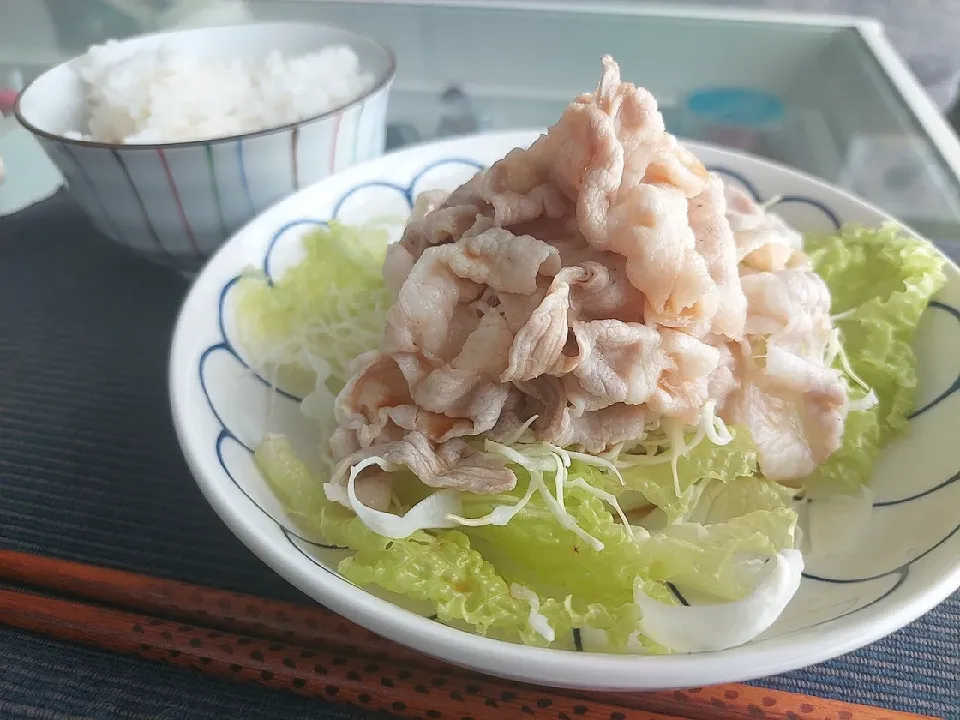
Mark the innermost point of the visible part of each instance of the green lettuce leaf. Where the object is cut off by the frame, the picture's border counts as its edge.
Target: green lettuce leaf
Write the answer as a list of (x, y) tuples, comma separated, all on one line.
[(708, 558), (456, 579), (467, 575), (440, 568), (706, 461), (302, 497), (535, 550), (328, 308), (881, 282), (851, 466), (720, 502)]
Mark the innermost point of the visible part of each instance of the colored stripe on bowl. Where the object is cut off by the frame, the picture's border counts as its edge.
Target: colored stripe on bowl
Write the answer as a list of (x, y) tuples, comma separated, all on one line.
[(243, 176), (215, 186), (151, 230), (91, 188), (294, 148), (333, 148), (176, 198), (356, 135)]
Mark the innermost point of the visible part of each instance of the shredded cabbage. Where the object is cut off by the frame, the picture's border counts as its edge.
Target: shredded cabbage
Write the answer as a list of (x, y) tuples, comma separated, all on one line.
[(434, 511), (611, 544), (536, 619), (501, 514)]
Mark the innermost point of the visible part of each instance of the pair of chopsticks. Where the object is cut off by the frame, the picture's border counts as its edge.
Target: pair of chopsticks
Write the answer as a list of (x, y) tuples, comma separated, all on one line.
[(311, 651)]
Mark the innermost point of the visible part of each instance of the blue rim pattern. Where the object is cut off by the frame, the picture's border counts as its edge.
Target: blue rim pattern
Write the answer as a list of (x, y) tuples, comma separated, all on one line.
[(408, 193)]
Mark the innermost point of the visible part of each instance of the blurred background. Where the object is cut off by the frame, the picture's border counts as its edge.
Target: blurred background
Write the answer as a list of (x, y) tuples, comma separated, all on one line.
[(923, 31), (818, 94)]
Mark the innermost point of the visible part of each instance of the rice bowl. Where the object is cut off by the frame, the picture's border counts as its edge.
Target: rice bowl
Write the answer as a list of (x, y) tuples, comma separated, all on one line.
[(176, 202)]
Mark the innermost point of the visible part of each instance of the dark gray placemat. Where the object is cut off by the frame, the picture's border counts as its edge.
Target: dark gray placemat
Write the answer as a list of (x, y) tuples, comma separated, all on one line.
[(90, 470)]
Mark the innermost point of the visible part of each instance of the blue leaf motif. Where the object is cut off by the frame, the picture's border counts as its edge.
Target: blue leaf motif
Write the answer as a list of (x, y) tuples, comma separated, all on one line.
[(404, 193), (751, 189), (284, 229), (955, 385)]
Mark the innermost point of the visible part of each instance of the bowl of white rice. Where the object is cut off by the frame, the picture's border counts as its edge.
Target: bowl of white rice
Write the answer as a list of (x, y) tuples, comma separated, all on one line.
[(171, 142)]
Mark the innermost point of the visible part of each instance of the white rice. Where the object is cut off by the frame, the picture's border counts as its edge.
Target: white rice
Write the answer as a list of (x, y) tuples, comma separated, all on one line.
[(166, 96)]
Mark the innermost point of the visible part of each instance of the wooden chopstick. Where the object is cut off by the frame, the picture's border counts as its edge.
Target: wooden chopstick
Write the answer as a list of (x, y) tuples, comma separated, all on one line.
[(217, 609), (334, 676), (316, 630)]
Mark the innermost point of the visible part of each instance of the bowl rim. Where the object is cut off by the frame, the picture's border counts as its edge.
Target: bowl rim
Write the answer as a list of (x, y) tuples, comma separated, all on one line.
[(555, 667), (383, 83)]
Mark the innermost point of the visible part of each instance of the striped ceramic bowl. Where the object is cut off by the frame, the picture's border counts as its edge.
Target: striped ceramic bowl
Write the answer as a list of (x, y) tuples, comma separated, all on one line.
[(176, 203)]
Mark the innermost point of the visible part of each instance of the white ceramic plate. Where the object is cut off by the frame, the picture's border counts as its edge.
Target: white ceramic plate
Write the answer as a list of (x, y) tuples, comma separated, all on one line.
[(907, 562)]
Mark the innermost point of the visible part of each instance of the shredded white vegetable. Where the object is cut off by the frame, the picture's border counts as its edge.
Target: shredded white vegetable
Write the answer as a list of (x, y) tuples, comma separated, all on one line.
[(515, 437), (535, 466), (845, 364), (677, 448), (770, 202), (500, 515), (703, 628), (564, 454), (629, 460), (537, 620), (612, 453), (844, 315), (543, 462), (319, 404), (608, 498), (558, 480), (835, 350), (595, 461), (867, 402), (710, 426), (431, 512), (714, 427), (832, 348), (562, 516)]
